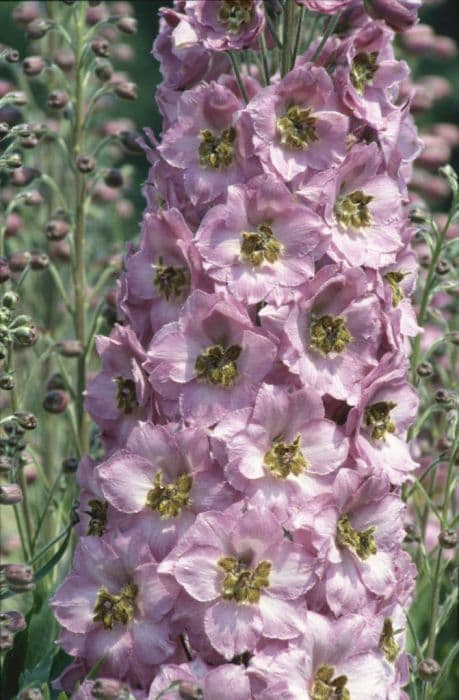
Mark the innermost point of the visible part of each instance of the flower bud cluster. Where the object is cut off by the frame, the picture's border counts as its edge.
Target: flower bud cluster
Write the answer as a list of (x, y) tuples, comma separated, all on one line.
[(244, 527)]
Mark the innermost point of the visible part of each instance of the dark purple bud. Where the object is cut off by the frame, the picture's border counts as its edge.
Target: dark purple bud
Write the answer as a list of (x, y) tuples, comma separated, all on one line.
[(442, 268), (10, 300), (7, 382), (25, 12), (443, 397), (13, 56), (21, 177), (19, 260), (26, 420), (5, 272), (103, 70), (56, 381), (38, 28), (428, 669), (109, 689), (60, 250), (20, 574), (33, 198), (129, 141), (86, 164), (127, 25), (113, 178), (56, 401), (13, 621), (65, 59), (448, 539), (10, 494), (29, 142), (6, 640), (100, 47), (424, 369), (33, 65), (57, 99), (39, 260), (126, 90), (56, 229), (69, 348), (70, 465)]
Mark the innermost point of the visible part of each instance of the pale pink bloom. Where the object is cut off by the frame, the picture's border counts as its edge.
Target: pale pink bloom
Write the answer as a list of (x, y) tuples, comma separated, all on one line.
[(181, 364), (289, 238), (284, 145), (196, 676), (326, 7), (244, 540), (221, 28), (398, 14), (167, 476)]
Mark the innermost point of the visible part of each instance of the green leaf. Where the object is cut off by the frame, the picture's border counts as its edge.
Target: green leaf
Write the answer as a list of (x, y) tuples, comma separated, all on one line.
[(446, 666)]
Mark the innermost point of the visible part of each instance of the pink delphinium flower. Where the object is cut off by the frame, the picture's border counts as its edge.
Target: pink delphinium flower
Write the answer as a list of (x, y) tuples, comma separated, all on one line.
[(114, 605), (330, 338), (250, 577), (297, 125), (224, 24), (212, 359), (326, 7), (274, 452), (167, 476), (260, 239), (398, 14), (202, 680)]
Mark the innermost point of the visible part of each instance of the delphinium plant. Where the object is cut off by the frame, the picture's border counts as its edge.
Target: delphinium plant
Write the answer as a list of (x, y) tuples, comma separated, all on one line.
[(64, 178)]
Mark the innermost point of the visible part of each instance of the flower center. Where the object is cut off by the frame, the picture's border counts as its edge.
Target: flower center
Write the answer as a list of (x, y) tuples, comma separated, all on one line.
[(377, 416), (216, 150), (260, 245), (285, 458), (328, 688), (170, 281), (217, 365), (170, 499), (241, 583), (394, 277), (234, 13), (363, 68), (352, 210), (97, 517), (297, 127), (115, 607), (126, 395), (329, 334), (387, 641), (362, 543)]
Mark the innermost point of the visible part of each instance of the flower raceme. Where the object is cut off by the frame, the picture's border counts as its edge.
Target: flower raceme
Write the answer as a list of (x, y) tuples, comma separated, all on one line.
[(243, 527)]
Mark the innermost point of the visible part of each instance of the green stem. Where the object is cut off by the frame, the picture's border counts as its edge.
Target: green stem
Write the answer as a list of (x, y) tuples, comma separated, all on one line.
[(264, 58), (286, 58), (237, 75), (299, 28), (329, 29)]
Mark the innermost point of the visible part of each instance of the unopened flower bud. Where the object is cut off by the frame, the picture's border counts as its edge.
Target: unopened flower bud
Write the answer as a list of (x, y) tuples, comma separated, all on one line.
[(26, 420), (100, 47), (33, 65), (10, 494), (19, 260), (443, 267), (69, 348), (126, 90), (424, 260), (5, 464), (113, 178), (65, 59), (31, 694), (4, 129), (20, 574), (443, 443), (56, 381), (6, 640), (103, 70), (56, 401), (424, 369), (39, 260), (129, 141), (56, 229), (57, 99), (13, 56), (33, 198), (17, 98), (443, 397), (30, 142), (25, 12), (10, 300), (12, 620), (86, 164), (38, 28), (25, 335), (21, 177), (7, 382), (127, 25), (95, 14), (13, 160), (428, 669), (447, 539), (70, 465)]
